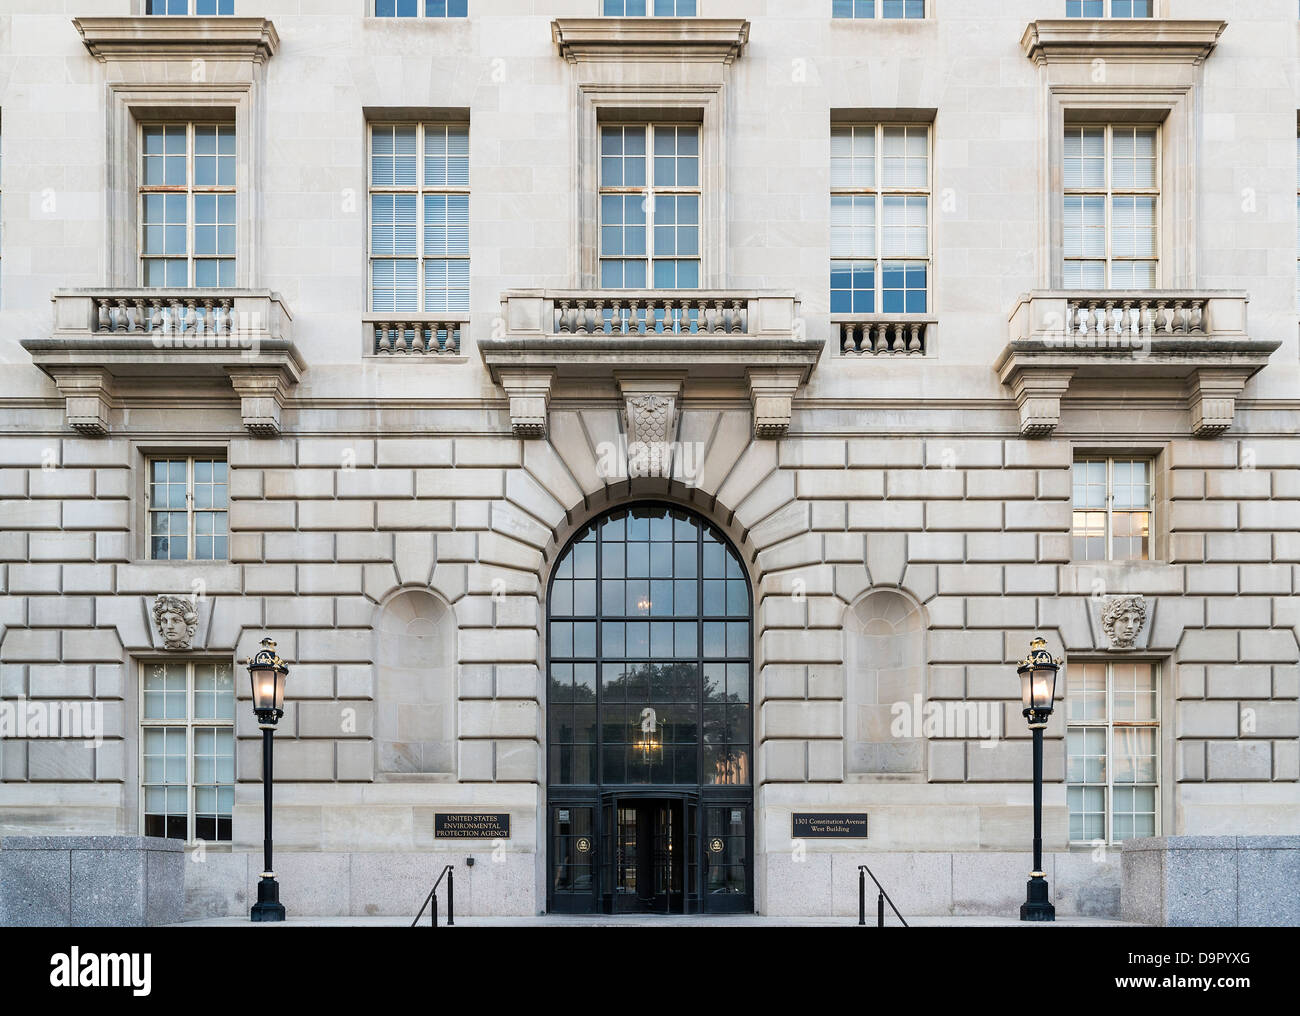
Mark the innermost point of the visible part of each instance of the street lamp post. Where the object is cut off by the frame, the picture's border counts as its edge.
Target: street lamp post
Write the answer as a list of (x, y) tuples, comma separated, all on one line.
[(1037, 693), (267, 672)]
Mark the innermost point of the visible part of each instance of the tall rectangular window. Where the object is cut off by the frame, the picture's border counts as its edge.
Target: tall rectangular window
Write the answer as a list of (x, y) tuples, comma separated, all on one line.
[(649, 8), (187, 509), (1112, 207), (863, 9), (419, 217), (187, 750), (1112, 746), (1110, 8), (187, 205), (650, 206), (880, 219), (203, 8), (421, 8), (1112, 509)]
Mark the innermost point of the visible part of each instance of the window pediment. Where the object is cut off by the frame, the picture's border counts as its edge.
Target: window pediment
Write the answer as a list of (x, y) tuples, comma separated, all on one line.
[(1156, 40), (709, 40), (179, 38)]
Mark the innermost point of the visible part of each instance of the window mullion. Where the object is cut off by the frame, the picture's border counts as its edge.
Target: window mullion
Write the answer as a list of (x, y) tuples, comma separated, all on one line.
[(420, 299)]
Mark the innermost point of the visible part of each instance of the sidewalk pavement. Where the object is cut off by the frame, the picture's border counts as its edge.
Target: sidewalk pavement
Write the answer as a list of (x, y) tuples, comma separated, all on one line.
[(657, 921)]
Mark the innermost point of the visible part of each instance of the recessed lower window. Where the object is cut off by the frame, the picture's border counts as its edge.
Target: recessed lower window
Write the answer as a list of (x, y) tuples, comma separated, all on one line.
[(1113, 510), (188, 505), (649, 8), (187, 750), (421, 8), (1113, 751), (1110, 8), (888, 9)]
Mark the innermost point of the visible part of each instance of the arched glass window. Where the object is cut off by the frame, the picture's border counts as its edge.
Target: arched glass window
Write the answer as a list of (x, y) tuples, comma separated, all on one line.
[(649, 655)]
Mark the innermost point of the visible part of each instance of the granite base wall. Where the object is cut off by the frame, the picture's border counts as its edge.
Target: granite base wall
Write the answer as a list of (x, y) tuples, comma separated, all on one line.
[(90, 881), (1212, 881)]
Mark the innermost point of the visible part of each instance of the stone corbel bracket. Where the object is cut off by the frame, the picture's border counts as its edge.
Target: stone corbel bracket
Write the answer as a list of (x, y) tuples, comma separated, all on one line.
[(109, 346), (529, 392), (1190, 348), (772, 391)]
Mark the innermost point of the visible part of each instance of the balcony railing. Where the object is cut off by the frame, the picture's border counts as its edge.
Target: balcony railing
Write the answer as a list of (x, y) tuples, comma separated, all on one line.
[(574, 339), (637, 312), (416, 334), (1190, 345), (188, 313), (110, 344), (872, 335)]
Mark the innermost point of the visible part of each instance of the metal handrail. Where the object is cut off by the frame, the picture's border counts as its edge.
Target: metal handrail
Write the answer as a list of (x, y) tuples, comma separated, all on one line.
[(449, 873), (881, 897)]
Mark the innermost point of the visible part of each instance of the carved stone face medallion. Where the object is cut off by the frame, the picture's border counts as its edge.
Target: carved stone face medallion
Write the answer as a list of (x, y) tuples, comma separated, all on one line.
[(1122, 620), (177, 621)]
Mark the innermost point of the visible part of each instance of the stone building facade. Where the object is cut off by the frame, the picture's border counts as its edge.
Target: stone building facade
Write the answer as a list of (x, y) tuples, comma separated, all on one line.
[(1061, 258)]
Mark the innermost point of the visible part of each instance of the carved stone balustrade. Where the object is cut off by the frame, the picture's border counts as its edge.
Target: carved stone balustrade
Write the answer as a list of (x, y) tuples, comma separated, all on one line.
[(622, 338), (1180, 344), (108, 343)]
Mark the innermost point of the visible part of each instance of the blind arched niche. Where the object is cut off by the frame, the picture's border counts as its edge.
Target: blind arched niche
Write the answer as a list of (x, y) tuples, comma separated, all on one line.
[(415, 686), (885, 661)]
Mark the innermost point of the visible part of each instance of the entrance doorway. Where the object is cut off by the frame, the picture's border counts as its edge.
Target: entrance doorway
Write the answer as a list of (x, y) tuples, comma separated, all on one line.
[(647, 855), (650, 719)]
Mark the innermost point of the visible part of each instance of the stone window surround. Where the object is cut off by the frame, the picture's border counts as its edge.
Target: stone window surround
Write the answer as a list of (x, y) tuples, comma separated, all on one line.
[(1150, 71), (1160, 542), (142, 452), (179, 68), (1170, 113), (382, 115), (1167, 777), (133, 707), (129, 109), (668, 104)]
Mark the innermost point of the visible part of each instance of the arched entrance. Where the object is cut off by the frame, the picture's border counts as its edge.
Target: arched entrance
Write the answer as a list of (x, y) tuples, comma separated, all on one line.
[(649, 718)]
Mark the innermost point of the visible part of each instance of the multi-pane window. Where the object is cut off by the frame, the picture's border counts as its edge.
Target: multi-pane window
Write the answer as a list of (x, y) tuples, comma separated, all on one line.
[(419, 217), (1112, 751), (187, 205), (187, 750), (187, 509), (1110, 8), (1112, 509), (649, 8), (878, 9), (203, 8), (880, 219), (421, 8), (650, 206), (1112, 202)]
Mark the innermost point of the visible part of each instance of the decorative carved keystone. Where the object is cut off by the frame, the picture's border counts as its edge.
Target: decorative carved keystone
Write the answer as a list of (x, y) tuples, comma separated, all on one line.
[(529, 392), (177, 621), (772, 391), (1122, 619), (650, 414)]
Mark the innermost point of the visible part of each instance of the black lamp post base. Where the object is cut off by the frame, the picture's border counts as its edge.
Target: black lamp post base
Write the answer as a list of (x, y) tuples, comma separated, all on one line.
[(1037, 907), (268, 906)]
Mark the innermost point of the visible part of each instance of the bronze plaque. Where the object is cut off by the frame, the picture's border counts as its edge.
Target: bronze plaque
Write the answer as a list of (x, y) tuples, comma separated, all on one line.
[(846, 826), (471, 826)]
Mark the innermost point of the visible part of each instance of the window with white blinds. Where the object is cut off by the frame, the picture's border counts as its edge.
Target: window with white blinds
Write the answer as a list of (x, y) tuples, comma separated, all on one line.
[(880, 218), (419, 217), (1110, 8), (1112, 207)]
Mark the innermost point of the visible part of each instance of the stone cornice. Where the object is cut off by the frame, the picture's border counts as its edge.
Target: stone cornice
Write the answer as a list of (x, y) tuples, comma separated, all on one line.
[(144, 38), (719, 40), (1147, 39)]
